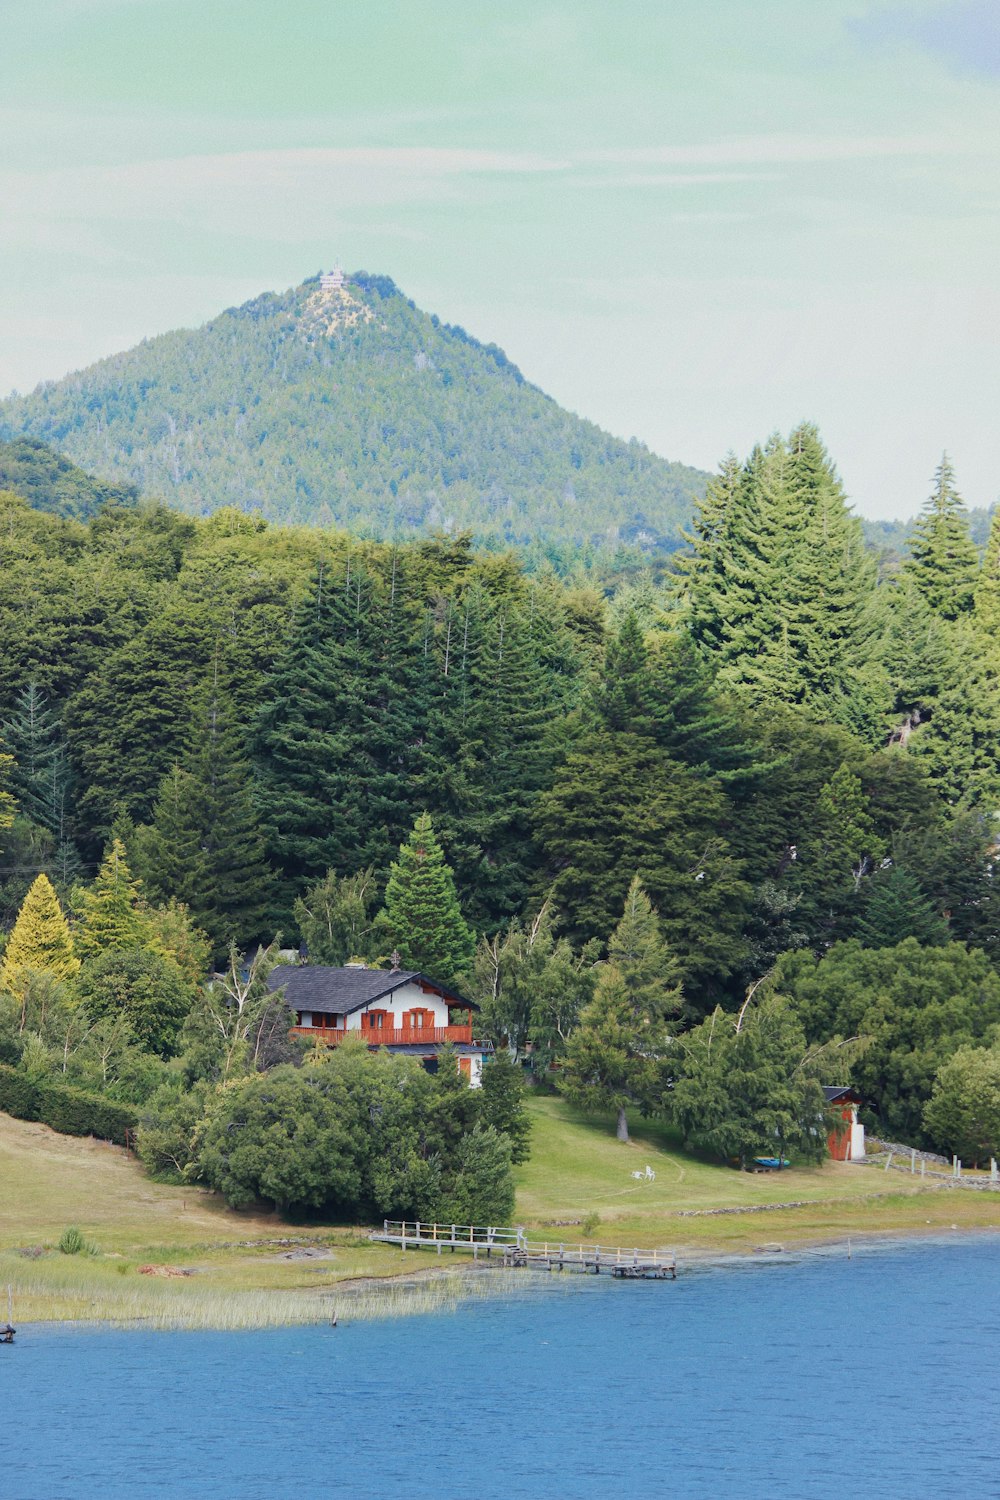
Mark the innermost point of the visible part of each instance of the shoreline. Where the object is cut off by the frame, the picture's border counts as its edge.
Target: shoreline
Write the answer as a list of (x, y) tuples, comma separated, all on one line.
[(161, 1255), (430, 1288)]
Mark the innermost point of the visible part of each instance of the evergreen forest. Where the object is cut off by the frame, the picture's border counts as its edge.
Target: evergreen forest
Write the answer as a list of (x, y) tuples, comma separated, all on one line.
[(705, 840)]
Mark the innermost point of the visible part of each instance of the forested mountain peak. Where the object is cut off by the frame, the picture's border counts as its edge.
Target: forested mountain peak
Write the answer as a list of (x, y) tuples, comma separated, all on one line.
[(351, 406)]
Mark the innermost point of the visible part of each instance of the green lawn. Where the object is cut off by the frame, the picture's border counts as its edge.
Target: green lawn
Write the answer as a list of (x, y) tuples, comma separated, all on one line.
[(578, 1169)]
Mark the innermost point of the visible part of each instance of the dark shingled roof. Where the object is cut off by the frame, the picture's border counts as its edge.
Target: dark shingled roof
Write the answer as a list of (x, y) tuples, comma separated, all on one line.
[(342, 991), (834, 1092)]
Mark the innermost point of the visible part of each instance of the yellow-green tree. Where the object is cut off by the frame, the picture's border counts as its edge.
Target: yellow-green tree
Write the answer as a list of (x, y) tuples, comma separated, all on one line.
[(41, 941), (7, 804), (111, 914)]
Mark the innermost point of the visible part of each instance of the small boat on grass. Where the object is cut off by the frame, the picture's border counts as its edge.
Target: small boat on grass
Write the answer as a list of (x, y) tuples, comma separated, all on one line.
[(770, 1163)]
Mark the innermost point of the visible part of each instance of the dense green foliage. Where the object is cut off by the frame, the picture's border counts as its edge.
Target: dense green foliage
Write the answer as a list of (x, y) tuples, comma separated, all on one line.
[(749, 1085), (353, 1134), (963, 1112), (218, 730), (64, 1109), (143, 987), (421, 919), (359, 411), (49, 482), (617, 1054), (917, 1005)]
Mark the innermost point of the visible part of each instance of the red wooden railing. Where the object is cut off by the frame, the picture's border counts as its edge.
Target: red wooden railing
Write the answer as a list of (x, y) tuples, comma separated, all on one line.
[(388, 1036)]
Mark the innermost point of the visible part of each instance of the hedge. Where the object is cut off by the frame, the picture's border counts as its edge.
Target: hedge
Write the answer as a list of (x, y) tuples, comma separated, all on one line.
[(65, 1109)]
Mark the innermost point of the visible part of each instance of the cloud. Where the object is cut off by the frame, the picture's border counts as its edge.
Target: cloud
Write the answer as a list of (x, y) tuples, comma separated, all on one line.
[(287, 192), (778, 149)]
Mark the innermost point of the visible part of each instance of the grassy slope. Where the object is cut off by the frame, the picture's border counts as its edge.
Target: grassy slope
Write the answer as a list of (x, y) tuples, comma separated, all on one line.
[(577, 1168), (49, 1181)]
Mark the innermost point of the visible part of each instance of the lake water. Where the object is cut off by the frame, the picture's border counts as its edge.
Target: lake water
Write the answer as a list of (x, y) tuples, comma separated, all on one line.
[(815, 1377)]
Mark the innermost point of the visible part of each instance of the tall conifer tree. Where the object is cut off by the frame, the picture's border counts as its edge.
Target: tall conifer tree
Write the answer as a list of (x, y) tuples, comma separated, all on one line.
[(335, 744), (204, 846), (614, 1057), (111, 914), (944, 563), (780, 589), (41, 941), (41, 776), (987, 598), (421, 917), (485, 759)]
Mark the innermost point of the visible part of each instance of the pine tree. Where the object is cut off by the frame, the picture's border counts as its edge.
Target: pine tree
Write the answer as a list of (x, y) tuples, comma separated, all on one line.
[(614, 1057), (421, 917), (944, 563), (896, 908), (488, 709), (625, 690), (843, 849), (111, 914), (41, 777), (502, 1104), (41, 940), (636, 948), (780, 590), (620, 806), (335, 746), (204, 846), (987, 600)]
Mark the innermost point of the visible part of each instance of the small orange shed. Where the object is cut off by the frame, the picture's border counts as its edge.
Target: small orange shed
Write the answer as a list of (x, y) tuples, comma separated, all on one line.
[(848, 1143)]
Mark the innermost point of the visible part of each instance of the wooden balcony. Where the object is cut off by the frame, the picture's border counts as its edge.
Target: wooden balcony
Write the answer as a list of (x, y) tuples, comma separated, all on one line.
[(387, 1036)]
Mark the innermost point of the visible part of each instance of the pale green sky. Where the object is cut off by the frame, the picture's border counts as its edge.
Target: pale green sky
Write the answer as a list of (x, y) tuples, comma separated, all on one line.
[(693, 221)]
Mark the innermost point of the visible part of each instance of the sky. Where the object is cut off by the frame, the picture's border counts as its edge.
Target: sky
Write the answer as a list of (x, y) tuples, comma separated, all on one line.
[(691, 221)]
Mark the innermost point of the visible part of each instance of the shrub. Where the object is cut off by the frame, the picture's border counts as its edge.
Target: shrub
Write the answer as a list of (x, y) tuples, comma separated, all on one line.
[(65, 1109), (72, 1242)]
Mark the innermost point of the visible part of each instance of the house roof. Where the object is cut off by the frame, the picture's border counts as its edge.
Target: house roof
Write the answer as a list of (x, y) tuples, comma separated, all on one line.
[(837, 1091), (343, 991)]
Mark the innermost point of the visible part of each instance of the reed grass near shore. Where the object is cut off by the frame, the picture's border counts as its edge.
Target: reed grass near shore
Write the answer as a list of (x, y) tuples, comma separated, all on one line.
[(95, 1291)]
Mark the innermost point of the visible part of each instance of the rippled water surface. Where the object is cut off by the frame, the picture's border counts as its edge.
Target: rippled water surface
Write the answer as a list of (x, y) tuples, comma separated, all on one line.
[(816, 1377)]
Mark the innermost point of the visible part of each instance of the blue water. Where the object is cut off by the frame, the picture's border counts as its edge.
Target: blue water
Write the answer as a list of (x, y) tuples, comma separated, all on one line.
[(816, 1377)]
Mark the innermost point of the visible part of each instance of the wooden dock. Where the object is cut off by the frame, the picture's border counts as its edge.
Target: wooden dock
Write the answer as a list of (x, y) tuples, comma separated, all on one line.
[(509, 1246)]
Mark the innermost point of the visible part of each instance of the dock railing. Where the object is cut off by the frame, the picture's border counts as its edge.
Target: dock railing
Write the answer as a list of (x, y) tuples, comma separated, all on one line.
[(412, 1234), (513, 1246)]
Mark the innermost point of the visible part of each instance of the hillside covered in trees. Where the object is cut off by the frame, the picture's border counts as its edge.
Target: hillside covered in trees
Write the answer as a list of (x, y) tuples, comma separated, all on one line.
[(354, 408), (605, 813), (49, 482)]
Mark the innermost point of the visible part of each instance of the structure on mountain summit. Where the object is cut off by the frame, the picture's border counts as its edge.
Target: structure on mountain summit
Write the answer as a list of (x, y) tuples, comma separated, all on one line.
[(332, 281), (396, 1008)]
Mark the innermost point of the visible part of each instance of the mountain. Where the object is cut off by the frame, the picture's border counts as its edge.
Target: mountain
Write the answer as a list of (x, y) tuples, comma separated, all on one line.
[(51, 483), (348, 405)]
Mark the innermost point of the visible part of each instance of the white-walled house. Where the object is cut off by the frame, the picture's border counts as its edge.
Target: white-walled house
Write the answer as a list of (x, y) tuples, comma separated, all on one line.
[(396, 1008)]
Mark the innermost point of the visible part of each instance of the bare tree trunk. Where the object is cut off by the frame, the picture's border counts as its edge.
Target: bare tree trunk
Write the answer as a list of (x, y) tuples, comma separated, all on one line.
[(622, 1124)]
